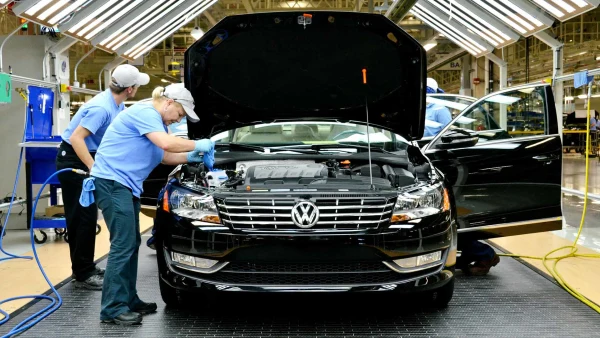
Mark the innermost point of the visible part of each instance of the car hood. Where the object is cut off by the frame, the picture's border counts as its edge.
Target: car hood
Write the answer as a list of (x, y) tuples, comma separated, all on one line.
[(261, 68)]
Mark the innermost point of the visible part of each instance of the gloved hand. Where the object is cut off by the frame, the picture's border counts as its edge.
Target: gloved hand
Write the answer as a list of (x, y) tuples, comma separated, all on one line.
[(204, 146), (209, 159), (194, 157)]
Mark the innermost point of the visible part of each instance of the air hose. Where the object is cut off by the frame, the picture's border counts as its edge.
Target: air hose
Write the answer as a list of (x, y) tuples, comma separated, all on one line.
[(14, 193), (547, 260), (55, 303)]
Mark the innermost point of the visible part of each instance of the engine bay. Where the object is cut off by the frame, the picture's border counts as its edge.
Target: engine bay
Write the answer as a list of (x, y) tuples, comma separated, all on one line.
[(304, 173)]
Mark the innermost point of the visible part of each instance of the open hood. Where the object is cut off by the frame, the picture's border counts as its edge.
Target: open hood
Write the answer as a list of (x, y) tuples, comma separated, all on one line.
[(260, 68)]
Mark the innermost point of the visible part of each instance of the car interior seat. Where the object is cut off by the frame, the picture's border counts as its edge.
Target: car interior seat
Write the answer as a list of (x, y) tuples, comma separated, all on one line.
[(266, 134)]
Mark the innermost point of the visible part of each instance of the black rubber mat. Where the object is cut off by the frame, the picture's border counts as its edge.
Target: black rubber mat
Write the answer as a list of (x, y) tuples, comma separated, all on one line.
[(512, 301)]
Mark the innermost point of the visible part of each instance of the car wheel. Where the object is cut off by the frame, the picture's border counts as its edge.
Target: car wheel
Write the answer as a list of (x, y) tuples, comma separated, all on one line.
[(440, 298)]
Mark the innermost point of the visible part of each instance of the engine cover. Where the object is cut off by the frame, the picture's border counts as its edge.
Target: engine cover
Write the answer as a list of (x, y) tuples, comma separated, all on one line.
[(302, 173)]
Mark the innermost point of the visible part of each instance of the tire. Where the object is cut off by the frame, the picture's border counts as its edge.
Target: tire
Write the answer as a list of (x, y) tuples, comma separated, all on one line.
[(440, 298)]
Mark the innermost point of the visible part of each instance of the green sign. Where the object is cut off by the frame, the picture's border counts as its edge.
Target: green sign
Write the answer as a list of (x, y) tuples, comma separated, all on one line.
[(5, 88)]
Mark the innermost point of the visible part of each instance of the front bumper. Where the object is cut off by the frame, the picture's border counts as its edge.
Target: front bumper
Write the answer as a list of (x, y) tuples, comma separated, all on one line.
[(323, 262)]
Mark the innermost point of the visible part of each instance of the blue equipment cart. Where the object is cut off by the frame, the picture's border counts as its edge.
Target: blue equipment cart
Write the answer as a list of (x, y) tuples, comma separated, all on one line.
[(41, 148)]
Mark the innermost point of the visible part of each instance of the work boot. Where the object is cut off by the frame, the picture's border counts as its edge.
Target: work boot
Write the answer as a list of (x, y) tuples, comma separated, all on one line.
[(92, 283), (127, 318), (145, 308), (482, 268)]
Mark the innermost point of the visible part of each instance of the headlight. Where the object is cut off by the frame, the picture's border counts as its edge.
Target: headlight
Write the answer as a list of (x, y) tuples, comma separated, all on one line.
[(420, 203), (185, 203)]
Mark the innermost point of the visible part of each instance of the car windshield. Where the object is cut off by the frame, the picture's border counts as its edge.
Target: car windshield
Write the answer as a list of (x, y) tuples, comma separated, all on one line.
[(311, 132)]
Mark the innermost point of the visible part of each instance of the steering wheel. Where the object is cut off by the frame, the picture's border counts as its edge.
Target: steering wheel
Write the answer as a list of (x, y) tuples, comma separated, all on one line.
[(347, 133)]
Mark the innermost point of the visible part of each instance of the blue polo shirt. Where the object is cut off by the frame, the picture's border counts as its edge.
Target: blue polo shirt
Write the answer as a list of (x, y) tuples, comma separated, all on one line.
[(95, 116), (436, 118), (126, 155)]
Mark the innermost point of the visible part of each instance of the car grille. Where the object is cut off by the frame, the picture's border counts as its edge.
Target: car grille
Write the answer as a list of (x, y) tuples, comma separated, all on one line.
[(335, 212), (367, 267), (305, 279)]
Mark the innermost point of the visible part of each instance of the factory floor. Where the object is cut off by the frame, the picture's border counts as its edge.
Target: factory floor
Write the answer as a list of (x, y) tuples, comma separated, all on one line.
[(518, 298)]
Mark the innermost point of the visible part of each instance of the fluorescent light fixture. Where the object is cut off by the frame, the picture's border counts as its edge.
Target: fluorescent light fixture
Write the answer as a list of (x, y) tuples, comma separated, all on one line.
[(128, 28), (451, 29), (429, 45), (519, 15), (477, 21), (66, 11), (168, 27), (35, 8), (54, 8), (567, 9), (569, 98), (582, 96)]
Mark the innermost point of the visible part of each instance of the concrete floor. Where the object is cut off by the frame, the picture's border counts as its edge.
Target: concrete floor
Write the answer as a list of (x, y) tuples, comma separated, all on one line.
[(574, 178)]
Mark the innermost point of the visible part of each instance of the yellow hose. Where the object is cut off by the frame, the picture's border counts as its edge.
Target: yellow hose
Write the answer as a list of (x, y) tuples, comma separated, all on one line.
[(573, 253)]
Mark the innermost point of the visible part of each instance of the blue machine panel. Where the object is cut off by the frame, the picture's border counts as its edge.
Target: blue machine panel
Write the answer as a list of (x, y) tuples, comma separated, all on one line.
[(39, 114)]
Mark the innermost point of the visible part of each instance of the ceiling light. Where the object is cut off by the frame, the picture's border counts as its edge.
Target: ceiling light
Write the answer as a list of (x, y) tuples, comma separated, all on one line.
[(429, 45), (567, 9), (478, 21), (451, 29), (170, 24), (582, 96), (44, 12), (128, 28), (519, 15), (197, 33), (66, 11)]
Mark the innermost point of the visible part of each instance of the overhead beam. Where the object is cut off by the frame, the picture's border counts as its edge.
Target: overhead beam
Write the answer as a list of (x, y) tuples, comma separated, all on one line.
[(248, 6), (399, 9), (210, 18), (448, 58)]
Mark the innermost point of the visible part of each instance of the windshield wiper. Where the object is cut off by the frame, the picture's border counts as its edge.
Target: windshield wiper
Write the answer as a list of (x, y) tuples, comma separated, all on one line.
[(242, 146), (319, 147)]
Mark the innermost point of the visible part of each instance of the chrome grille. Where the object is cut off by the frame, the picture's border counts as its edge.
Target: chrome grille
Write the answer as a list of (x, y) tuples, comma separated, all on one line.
[(336, 213)]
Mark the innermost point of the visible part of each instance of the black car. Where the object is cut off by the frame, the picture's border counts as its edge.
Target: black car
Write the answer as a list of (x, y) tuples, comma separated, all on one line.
[(319, 183)]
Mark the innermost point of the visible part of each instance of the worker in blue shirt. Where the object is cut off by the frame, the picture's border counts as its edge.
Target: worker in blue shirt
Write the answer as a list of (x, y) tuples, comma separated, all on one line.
[(77, 150), (134, 144), (436, 115)]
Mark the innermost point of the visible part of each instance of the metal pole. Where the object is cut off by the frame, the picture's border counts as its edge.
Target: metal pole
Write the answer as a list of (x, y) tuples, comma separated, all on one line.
[(3, 42), (78, 62)]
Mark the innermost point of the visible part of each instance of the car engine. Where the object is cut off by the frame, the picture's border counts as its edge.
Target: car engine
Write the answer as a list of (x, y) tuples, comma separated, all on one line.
[(274, 174)]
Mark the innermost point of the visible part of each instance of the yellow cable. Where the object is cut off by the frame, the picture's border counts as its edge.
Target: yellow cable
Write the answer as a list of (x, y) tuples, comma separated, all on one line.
[(573, 253)]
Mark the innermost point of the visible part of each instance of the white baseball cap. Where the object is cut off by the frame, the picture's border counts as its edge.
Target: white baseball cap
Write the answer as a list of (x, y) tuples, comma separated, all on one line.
[(178, 93), (431, 83), (127, 76)]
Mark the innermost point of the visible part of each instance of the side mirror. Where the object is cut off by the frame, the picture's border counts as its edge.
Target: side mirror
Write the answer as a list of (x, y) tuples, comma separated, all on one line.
[(458, 138)]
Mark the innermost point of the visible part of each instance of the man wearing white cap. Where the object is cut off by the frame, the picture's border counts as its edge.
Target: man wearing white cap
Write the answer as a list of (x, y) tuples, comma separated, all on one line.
[(134, 144), (79, 144), (437, 116)]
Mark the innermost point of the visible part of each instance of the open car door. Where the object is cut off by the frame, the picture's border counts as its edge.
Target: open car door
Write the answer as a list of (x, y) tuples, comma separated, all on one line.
[(503, 157)]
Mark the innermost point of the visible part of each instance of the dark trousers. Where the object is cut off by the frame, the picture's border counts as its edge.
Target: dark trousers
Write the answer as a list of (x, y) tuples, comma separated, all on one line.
[(81, 221), (121, 211), (473, 251)]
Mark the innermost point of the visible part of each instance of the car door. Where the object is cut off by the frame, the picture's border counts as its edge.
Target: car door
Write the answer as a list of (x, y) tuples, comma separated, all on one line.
[(502, 157)]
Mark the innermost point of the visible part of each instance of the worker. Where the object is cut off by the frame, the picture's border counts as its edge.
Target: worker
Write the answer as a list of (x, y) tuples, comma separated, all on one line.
[(437, 116), (135, 143), (77, 150)]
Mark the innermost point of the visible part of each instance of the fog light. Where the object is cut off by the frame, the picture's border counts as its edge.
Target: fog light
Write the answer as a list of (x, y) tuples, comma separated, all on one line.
[(197, 262), (413, 262)]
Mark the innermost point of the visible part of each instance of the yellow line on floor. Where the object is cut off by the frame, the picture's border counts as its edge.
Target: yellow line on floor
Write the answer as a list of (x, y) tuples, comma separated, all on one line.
[(581, 273), (22, 277)]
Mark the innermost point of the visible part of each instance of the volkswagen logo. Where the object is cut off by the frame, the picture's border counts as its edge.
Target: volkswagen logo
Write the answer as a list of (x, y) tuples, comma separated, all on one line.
[(305, 214)]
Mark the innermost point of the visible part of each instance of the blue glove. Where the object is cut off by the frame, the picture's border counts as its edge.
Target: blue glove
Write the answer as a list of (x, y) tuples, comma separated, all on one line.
[(204, 146), (209, 159), (194, 157), (87, 196)]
